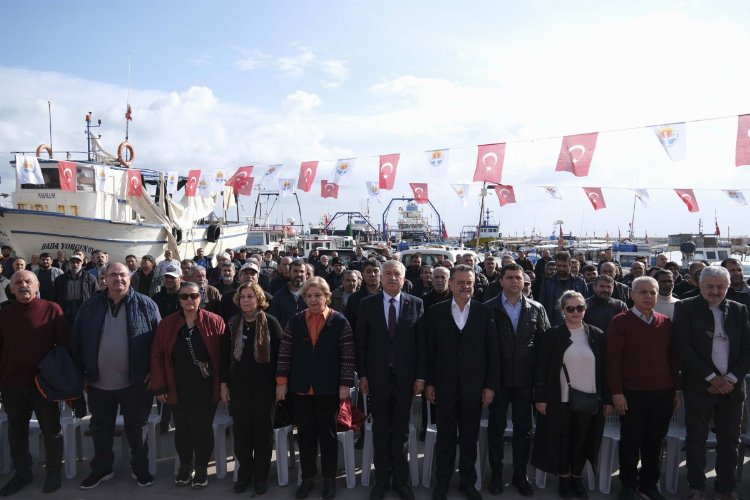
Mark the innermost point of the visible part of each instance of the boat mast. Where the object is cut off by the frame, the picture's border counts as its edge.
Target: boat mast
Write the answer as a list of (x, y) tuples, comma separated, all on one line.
[(632, 219), (49, 108), (483, 193)]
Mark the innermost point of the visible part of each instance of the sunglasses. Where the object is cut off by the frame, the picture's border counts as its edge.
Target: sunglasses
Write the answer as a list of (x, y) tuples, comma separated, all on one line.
[(186, 296), (579, 309)]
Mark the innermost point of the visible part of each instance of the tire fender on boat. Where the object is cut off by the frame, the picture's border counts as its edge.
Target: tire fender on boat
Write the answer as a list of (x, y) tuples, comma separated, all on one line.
[(125, 145), (43, 147), (213, 232), (177, 233)]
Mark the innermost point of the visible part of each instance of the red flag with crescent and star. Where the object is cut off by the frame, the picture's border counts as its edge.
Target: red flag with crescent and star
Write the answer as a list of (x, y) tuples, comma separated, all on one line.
[(420, 192), (67, 171), (576, 153), (688, 198), (129, 113), (490, 159), (596, 197), (742, 155), (387, 170), (135, 188), (192, 182), (241, 181), (329, 189), (505, 194), (307, 172)]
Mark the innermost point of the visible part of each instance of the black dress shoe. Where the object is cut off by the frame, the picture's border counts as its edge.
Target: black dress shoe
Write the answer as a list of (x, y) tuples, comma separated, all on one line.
[(240, 487), (439, 494), (564, 488), (261, 487), (523, 486), (378, 491), (329, 489), (496, 485), (18, 481), (53, 481), (580, 491), (470, 492), (305, 488), (404, 491)]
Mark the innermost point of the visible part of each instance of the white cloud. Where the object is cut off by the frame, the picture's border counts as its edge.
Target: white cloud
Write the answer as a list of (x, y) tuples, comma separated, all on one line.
[(295, 66), (202, 60), (250, 59), (336, 71)]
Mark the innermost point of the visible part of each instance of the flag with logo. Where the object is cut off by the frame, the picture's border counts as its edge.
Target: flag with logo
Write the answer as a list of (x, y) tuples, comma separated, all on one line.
[(270, 174), (67, 172), (490, 159), (735, 196), (241, 181), (191, 186), (595, 196), (220, 178), (343, 168), (286, 187), (419, 189), (462, 191), (28, 170), (505, 194), (688, 198), (742, 153), (101, 178), (576, 153), (135, 185), (642, 196), (553, 191), (437, 162), (173, 178), (387, 170), (307, 172), (205, 185), (673, 138), (329, 189), (373, 189)]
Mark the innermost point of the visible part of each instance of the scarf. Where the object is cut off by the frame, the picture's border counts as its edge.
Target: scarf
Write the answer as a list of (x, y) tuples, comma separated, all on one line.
[(262, 338)]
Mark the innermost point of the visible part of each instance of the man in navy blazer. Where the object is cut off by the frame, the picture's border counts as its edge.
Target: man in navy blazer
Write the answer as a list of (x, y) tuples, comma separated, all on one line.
[(463, 372), (391, 366)]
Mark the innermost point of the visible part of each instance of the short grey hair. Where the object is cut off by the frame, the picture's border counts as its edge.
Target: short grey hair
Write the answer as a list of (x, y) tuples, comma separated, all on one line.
[(645, 280), (395, 263), (714, 272), (195, 270)]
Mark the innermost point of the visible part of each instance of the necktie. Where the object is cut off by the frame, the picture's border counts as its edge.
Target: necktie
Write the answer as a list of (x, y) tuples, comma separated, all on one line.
[(392, 318)]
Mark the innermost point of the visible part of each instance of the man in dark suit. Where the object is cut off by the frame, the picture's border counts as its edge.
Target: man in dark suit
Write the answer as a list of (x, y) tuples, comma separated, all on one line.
[(371, 286), (520, 322), (463, 372), (713, 335), (391, 365)]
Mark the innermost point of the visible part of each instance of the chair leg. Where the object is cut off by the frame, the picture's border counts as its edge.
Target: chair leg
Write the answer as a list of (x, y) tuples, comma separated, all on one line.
[(429, 449)]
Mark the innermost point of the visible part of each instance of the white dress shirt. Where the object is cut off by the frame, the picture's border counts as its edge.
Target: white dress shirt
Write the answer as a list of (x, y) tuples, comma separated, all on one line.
[(459, 316)]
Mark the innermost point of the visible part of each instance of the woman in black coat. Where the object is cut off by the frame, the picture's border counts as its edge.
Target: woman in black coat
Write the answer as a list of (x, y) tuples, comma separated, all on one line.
[(565, 439)]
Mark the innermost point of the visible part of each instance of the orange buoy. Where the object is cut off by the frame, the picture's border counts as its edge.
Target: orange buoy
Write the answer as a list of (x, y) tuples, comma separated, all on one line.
[(43, 147), (125, 146)]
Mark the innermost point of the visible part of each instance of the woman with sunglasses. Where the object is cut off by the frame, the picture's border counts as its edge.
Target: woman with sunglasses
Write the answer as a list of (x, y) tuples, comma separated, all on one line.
[(251, 347), (570, 366), (185, 374)]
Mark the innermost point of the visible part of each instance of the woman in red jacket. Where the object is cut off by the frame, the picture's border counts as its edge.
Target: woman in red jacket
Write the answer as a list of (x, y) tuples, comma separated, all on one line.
[(185, 373)]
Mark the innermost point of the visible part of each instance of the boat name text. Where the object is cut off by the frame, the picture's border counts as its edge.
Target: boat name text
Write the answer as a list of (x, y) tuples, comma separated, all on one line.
[(67, 246), (46, 196)]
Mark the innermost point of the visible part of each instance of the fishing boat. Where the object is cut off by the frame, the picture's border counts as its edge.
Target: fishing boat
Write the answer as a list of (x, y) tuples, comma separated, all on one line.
[(412, 224), (88, 204)]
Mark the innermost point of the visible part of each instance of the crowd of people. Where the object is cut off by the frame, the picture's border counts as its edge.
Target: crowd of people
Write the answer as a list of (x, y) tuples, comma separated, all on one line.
[(561, 344)]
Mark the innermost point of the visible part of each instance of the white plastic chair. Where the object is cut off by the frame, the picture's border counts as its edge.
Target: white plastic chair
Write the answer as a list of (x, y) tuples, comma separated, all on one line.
[(222, 422), (430, 439), (284, 443), (608, 452), (72, 441), (675, 444), (152, 435)]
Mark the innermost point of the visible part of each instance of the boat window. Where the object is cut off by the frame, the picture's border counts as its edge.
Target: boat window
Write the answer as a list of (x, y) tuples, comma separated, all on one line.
[(710, 255), (51, 180), (85, 179), (255, 239)]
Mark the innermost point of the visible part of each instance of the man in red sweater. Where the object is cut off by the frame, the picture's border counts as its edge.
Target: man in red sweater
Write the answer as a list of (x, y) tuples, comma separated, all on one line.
[(29, 328), (642, 364)]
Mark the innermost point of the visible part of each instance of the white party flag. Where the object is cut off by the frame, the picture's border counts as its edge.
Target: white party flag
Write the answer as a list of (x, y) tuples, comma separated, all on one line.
[(101, 178), (673, 136), (437, 162), (205, 185), (286, 187), (270, 174), (220, 178), (28, 170), (373, 189), (736, 196), (554, 192), (172, 179), (462, 191), (642, 196), (342, 168)]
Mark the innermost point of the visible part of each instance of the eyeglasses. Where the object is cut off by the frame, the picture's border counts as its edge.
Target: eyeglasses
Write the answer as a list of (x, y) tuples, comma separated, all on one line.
[(186, 296), (578, 308)]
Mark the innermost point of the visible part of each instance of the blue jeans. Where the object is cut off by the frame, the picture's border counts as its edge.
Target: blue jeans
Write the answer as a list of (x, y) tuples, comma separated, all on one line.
[(135, 403)]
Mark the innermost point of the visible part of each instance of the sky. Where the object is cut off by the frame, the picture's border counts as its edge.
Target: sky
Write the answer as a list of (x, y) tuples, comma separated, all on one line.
[(221, 84)]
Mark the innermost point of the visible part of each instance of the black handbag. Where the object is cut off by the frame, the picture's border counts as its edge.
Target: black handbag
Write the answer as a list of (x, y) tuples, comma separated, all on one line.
[(581, 402)]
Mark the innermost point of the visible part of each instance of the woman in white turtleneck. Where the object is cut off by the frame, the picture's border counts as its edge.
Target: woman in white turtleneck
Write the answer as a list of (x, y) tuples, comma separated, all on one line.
[(564, 438)]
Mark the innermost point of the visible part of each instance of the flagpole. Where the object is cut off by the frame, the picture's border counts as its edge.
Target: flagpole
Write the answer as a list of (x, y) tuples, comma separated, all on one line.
[(127, 122), (49, 108), (632, 219), (481, 211)]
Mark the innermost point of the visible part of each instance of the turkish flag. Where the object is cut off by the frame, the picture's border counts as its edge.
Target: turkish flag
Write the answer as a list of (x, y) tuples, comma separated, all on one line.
[(329, 189), (67, 171), (576, 153), (505, 194), (307, 175), (688, 197), (490, 159), (742, 155), (596, 197), (420, 192), (240, 181), (135, 188), (192, 182), (387, 171)]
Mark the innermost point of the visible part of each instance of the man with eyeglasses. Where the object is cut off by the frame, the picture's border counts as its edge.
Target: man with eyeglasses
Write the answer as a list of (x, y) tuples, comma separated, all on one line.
[(642, 374), (713, 335), (111, 343)]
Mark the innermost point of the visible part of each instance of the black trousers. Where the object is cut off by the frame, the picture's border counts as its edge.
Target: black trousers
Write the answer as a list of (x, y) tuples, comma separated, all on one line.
[(726, 411), (18, 405), (315, 418), (193, 417), (134, 402), (642, 431), (460, 415), (519, 399), (575, 429), (391, 410), (253, 414)]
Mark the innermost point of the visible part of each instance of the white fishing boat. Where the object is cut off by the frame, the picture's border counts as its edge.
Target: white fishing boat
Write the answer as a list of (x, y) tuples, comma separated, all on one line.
[(99, 211), (412, 224)]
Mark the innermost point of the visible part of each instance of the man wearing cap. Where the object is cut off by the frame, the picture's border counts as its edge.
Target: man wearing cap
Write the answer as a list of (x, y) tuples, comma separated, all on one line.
[(336, 275), (249, 273), (527, 286), (74, 287), (166, 299)]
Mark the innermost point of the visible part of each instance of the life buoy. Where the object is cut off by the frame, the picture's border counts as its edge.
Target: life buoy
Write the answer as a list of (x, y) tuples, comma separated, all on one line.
[(43, 147), (121, 157), (213, 233)]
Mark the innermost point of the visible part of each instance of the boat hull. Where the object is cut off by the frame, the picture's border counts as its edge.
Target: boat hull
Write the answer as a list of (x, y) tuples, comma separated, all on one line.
[(29, 232)]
